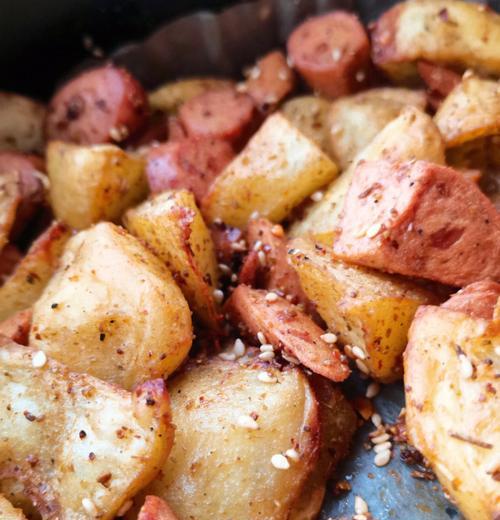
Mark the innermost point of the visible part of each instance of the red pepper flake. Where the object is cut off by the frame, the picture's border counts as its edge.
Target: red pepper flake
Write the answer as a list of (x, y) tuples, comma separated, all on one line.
[(29, 416), (105, 479)]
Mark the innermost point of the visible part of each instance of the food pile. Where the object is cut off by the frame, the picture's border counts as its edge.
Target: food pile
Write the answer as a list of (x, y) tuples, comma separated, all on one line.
[(188, 276)]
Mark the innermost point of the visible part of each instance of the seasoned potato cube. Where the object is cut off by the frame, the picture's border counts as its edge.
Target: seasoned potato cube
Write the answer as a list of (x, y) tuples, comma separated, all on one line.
[(8, 511), (278, 169), (412, 135), (112, 310), (172, 226), (354, 121), (93, 183), (78, 446), (309, 115), (21, 123), (25, 285), (447, 32), (452, 415), (365, 308), (170, 96), (230, 429)]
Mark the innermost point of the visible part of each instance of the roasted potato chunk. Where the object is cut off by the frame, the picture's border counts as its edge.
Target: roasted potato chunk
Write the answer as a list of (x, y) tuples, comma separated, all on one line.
[(172, 226), (446, 32), (93, 183), (112, 310), (8, 511), (232, 430), (10, 198), (309, 115), (354, 121), (170, 96), (367, 309), (412, 135), (452, 414), (25, 285), (21, 123), (278, 169), (79, 447)]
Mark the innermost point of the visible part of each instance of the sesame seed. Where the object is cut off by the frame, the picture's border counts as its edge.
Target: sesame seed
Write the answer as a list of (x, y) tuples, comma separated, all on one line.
[(329, 338), (358, 352), (217, 221), (497, 351), (362, 367), (89, 506), (255, 72), (360, 233), (290, 358), (279, 461), (218, 295), (266, 377), (466, 368), (125, 507), (239, 348), (261, 337), (292, 454), (373, 230), (359, 517), (225, 269), (254, 215), (39, 359), (227, 356), (234, 278), (245, 421), (348, 350), (239, 246), (382, 458), (372, 390), (258, 245), (382, 447), (379, 439), (266, 347), (283, 75), (360, 76), (376, 420), (266, 356), (278, 231), (271, 297), (317, 196), (241, 87), (336, 54), (262, 258), (360, 506)]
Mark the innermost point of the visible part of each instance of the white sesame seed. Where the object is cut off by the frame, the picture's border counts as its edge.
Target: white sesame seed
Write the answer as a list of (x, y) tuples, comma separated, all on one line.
[(241, 87), (329, 338), (227, 356), (360, 506), (292, 454), (258, 245), (239, 348), (360, 76), (362, 367), (218, 295), (217, 221), (497, 351), (382, 458), (373, 230), (372, 390), (317, 196), (358, 352), (382, 447), (360, 233), (379, 439), (279, 461), (239, 246), (255, 72), (262, 258), (225, 269), (39, 359), (348, 350), (266, 347), (466, 368), (336, 54), (125, 507), (89, 506), (376, 420), (359, 517), (289, 358), (266, 377), (254, 215), (266, 356), (271, 297), (283, 74), (261, 337), (234, 277), (245, 421)]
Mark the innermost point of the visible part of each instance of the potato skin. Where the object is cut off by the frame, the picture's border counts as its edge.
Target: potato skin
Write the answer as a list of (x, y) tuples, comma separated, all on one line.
[(364, 307), (172, 226), (412, 135), (112, 310), (449, 413), (277, 170), (219, 470), (90, 439), (93, 183)]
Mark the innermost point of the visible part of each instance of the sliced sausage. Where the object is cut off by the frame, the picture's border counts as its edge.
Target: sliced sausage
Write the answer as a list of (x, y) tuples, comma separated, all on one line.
[(332, 53), (229, 243), (175, 129), (190, 163), (221, 114), (154, 131), (269, 81), (155, 508), (286, 327), (478, 300), (439, 80), (99, 106), (17, 327), (420, 219)]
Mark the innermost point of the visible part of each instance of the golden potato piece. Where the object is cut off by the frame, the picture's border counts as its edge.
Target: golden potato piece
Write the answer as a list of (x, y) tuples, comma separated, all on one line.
[(10, 198), (78, 446), (172, 226), (452, 414), (93, 183), (412, 135), (8, 511), (170, 96), (354, 121), (278, 169), (220, 466), (112, 310), (367, 309), (309, 115), (446, 32), (21, 123), (25, 285)]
